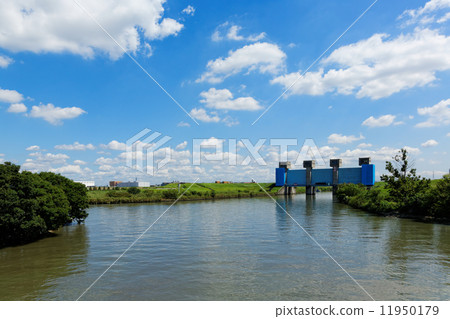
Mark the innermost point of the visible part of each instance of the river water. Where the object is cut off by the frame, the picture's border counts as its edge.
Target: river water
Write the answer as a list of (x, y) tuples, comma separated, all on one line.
[(239, 249)]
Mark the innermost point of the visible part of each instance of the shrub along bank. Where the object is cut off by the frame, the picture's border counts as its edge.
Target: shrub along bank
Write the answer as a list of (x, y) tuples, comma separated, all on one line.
[(200, 191), (401, 193)]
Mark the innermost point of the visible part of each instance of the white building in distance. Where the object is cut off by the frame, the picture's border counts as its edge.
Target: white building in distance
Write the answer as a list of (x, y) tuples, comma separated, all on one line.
[(134, 184)]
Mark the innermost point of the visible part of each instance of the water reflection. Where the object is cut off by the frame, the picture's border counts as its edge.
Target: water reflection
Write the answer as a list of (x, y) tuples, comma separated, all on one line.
[(27, 272), (283, 221), (242, 249)]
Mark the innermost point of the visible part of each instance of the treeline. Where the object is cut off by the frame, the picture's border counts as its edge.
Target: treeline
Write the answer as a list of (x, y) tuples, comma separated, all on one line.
[(33, 204), (136, 195), (402, 193), (198, 191)]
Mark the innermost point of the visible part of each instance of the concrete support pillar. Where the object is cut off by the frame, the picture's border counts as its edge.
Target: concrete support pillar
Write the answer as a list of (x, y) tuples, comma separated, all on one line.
[(335, 164), (287, 191), (311, 190), (309, 165)]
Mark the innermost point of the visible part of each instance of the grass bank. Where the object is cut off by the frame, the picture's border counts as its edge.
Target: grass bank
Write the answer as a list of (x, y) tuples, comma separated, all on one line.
[(170, 192)]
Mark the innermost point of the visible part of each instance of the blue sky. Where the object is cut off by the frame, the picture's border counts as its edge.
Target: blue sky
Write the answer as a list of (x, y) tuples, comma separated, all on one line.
[(70, 97)]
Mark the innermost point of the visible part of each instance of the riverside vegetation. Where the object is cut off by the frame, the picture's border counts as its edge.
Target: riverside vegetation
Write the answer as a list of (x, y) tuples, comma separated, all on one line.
[(198, 191), (401, 193), (32, 205), (170, 192)]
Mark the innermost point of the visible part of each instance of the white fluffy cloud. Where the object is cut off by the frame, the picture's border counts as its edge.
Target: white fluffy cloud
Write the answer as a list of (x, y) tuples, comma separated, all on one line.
[(181, 146), (377, 67), (384, 120), (50, 157), (75, 147), (202, 115), (189, 10), (233, 34), (55, 115), (427, 13), (342, 139), (68, 169), (384, 153), (10, 96), (115, 146), (5, 61), (62, 26), (79, 162), (33, 148), (106, 161), (445, 18), (438, 114), (229, 121), (223, 100), (44, 162), (430, 143), (183, 124), (17, 108), (232, 31), (261, 56)]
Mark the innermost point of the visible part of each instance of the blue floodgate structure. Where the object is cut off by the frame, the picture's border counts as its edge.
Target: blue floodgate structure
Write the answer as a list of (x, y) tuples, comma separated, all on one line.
[(310, 177)]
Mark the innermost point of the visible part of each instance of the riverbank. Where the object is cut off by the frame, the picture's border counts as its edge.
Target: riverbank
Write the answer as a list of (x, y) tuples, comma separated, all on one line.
[(431, 204), (170, 192)]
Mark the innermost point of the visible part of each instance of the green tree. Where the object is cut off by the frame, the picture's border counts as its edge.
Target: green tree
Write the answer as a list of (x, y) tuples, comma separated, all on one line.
[(76, 194), (404, 187), (29, 206), (440, 199)]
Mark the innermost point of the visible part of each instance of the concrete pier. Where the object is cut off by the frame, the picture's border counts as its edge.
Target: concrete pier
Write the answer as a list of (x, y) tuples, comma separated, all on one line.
[(335, 164), (287, 190), (309, 165)]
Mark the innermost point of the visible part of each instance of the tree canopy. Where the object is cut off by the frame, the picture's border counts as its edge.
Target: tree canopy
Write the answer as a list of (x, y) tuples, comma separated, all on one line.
[(33, 204), (403, 185), (403, 192)]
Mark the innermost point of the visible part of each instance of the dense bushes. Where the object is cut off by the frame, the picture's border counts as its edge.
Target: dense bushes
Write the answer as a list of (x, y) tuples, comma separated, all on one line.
[(133, 190), (403, 192), (170, 194), (33, 204), (374, 200), (439, 199), (200, 191), (118, 194)]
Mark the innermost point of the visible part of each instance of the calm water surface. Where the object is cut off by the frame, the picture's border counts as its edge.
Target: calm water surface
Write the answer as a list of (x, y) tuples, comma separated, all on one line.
[(242, 249)]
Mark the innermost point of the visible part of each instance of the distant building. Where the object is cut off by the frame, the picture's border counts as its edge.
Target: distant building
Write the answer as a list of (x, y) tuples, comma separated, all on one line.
[(86, 183), (114, 183), (133, 184)]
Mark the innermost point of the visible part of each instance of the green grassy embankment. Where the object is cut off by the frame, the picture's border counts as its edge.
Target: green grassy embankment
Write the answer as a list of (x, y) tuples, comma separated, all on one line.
[(199, 191)]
